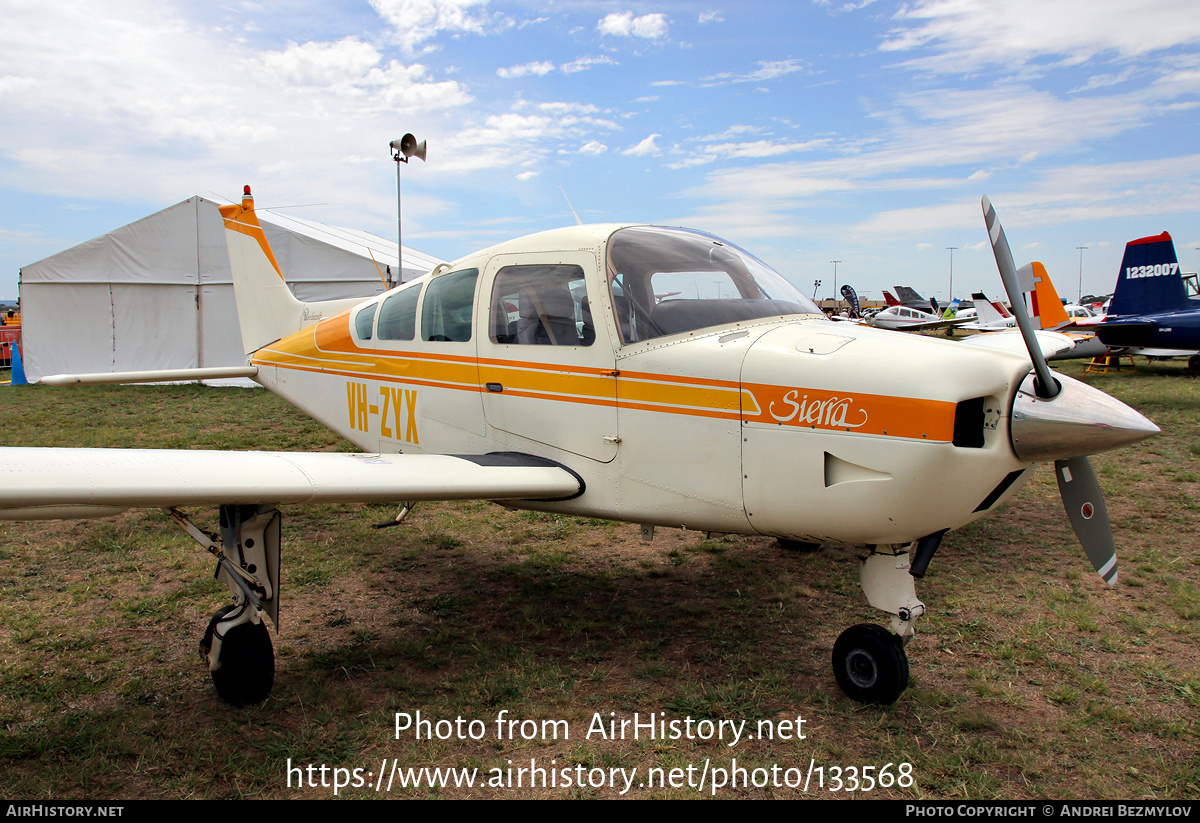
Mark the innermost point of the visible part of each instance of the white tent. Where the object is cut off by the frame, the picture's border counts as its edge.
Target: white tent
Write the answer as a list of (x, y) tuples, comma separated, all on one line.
[(158, 293)]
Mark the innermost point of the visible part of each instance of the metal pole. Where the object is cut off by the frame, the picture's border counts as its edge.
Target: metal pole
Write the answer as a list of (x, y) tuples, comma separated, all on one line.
[(835, 291), (399, 228), (952, 249), (1081, 248)]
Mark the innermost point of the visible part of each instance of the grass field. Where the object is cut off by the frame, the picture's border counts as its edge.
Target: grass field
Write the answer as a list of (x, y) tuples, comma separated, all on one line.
[(1030, 677)]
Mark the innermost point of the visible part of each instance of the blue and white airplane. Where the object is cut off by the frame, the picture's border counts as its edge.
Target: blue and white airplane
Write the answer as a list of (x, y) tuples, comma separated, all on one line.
[(1151, 310)]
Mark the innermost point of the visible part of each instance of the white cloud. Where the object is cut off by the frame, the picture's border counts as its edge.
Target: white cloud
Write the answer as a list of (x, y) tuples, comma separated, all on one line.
[(321, 64), (593, 147), (756, 149), (966, 35), (767, 70), (490, 144), (157, 106), (585, 63), (415, 21), (538, 69), (645, 147), (624, 24), (527, 175), (710, 17)]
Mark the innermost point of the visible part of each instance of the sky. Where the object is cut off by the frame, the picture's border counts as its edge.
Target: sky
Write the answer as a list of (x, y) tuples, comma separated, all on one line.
[(806, 132)]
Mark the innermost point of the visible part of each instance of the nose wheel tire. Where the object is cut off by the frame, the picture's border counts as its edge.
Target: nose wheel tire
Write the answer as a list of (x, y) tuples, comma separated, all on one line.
[(246, 672), (870, 665)]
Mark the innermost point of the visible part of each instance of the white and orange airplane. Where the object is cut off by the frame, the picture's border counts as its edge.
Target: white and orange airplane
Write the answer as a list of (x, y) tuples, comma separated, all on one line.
[(595, 370)]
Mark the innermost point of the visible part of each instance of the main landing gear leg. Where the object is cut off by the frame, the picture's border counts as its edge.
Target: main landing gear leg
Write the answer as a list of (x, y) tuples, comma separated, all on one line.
[(236, 647), (869, 661)]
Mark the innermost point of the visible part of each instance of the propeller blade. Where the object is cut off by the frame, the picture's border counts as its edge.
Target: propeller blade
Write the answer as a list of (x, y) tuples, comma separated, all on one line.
[(1045, 386), (1084, 502)]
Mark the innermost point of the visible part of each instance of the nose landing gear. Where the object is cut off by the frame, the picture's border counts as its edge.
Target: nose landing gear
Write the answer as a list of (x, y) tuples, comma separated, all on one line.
[(870, 665)]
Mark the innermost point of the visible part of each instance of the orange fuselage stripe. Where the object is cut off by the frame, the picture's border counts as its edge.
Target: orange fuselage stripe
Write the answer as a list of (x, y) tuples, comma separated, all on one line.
[(328, 348)]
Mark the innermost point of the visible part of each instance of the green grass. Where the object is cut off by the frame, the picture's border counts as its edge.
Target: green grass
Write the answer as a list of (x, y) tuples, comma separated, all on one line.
[(1030, 678)]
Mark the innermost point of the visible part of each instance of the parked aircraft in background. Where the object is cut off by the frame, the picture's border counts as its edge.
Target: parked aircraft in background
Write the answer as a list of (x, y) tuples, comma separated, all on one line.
[(902, 318), (910, 298), (988, 315), (625, 386), (1151, 311)]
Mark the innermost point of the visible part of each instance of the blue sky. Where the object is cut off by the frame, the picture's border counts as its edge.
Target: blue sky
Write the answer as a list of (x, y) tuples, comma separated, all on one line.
[(804, 131)]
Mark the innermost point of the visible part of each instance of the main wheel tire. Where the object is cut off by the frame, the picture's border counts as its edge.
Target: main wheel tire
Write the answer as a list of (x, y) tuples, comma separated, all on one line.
[(247, 671), (870, 665), (1194, 364)]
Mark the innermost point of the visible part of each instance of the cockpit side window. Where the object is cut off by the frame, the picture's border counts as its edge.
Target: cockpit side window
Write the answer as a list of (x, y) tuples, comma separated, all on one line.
[(669, 281)]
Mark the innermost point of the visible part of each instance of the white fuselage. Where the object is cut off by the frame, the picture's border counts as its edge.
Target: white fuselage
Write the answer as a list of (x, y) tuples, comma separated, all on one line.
[(787, 425)]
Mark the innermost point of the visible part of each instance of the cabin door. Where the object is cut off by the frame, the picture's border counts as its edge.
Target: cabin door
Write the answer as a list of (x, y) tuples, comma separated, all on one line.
[(546, 366)]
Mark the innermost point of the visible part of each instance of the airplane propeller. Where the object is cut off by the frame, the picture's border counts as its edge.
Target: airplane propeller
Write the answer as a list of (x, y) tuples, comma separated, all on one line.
[(1066, 420)]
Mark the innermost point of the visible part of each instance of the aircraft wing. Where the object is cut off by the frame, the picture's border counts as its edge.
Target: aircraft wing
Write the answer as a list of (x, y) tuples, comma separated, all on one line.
[(1051, 343), (933, 324), (40, 483)]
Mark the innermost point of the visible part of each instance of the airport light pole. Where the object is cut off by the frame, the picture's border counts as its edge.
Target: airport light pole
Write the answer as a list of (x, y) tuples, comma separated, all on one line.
[(835, 291), (1081, 248), (816, 285), (951, 249), (402, 149)]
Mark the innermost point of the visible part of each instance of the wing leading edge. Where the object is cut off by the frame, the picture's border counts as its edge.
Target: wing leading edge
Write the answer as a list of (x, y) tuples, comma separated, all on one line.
[(37, 483)]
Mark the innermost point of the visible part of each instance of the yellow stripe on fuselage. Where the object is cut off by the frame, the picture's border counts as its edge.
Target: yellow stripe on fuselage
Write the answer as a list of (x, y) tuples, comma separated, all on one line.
[(329, 350)]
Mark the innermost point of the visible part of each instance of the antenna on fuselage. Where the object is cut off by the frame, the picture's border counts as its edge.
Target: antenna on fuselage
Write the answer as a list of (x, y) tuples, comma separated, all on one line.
[(578, 222)]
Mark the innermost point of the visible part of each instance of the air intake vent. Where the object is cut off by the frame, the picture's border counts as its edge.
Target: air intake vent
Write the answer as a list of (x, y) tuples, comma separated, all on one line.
[(968, 423)]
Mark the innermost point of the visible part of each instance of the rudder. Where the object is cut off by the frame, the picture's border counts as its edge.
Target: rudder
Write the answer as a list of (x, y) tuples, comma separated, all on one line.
[(1149, 280)]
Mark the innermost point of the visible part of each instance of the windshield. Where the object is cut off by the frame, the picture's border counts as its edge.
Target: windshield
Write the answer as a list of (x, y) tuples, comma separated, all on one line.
[(668, 281)]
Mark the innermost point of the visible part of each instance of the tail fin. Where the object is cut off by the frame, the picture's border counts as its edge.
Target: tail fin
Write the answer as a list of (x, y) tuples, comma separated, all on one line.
[(1047, 308), (887, 298), (989, 312), (267, 309), (952, 310), (909, 297), (1149, 280)]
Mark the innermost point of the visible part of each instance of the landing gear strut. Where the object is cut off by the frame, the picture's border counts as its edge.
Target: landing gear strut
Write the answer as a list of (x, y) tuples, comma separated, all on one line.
[(236, 646), (869, 662)]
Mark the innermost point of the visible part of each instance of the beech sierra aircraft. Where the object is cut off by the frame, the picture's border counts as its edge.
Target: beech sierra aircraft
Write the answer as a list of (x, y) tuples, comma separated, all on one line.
[(903, 318), (594, 370)]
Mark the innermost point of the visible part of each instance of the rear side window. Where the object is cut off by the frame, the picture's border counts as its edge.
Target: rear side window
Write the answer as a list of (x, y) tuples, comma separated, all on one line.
[(446, 312), (364, 321), (398, 317)]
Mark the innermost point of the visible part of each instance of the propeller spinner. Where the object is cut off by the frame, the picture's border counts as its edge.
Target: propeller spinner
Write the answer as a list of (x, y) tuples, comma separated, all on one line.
[(1057, 418)]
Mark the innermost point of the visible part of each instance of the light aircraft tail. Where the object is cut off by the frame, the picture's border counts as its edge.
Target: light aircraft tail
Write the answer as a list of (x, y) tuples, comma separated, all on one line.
[(267, 309), (1149, 280), (909, 297), (1047, 307), (990, 312), (891, 301), (952, 310)]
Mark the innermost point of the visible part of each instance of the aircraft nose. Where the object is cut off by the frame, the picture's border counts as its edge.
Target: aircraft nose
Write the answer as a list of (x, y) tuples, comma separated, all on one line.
[(1079, 420)]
